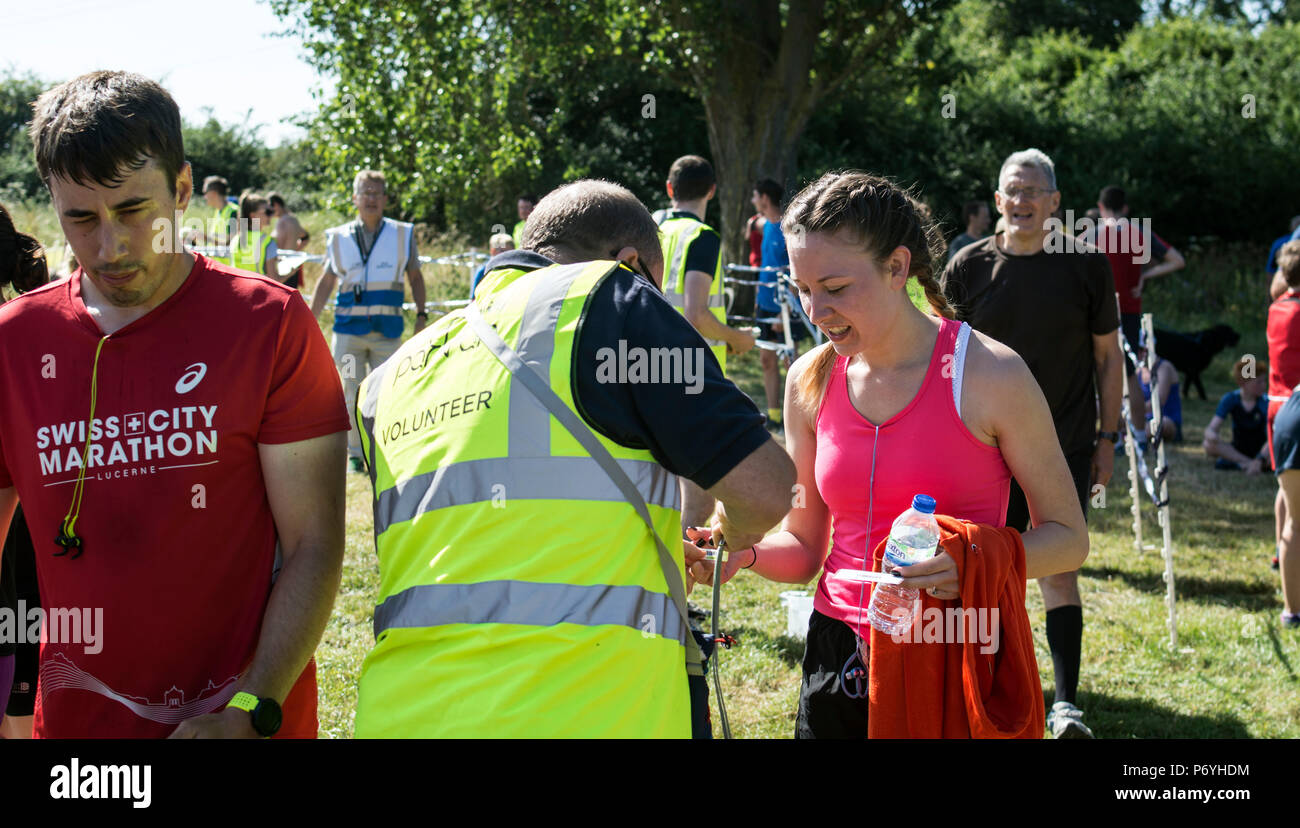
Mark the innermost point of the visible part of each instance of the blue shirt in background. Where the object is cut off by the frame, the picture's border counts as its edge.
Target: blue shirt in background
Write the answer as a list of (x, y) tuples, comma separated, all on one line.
[(774, 255), (478, 277), (1272, 253), (1249, 428)]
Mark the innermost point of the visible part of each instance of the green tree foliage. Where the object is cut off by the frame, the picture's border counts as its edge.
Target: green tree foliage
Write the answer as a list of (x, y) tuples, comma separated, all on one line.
[(466, 102), (1100, 23), (293, 171), (233, 152), (212, 148), (1195, 118), (18, 177)]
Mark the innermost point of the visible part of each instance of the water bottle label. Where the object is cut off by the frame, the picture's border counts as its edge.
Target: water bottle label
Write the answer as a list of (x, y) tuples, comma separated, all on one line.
[(900, 554)]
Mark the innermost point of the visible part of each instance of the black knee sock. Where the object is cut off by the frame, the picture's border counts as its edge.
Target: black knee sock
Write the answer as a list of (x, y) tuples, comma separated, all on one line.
[(1065, 640)]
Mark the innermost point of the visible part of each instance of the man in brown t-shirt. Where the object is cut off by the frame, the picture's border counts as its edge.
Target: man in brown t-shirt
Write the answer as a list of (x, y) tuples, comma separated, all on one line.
[(1052, 300)]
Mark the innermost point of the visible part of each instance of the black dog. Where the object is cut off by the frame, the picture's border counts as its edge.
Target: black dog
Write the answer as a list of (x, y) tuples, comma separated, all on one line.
[(1191, 353)]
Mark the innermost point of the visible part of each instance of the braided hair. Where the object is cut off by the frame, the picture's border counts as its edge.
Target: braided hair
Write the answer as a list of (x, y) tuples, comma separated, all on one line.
[(882, 217)]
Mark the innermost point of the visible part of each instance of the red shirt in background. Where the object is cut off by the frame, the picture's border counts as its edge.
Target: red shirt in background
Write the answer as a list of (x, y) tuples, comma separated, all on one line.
[(1283, 354), (1124, 244), (178, 537), (754, 233)]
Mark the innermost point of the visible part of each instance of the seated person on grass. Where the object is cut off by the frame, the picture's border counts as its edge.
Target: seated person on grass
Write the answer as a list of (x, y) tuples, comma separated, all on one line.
[(1171, 401), (1247, 407)]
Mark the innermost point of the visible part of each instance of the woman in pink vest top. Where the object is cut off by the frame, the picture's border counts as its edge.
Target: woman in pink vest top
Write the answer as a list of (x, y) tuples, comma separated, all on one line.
[(898, 403)]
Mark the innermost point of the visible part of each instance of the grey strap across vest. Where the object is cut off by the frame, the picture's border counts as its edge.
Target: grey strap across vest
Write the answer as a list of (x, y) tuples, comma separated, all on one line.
[(541, 389)]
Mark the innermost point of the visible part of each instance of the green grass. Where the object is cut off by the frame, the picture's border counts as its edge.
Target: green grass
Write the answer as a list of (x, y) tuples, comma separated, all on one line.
[(1234, 675)]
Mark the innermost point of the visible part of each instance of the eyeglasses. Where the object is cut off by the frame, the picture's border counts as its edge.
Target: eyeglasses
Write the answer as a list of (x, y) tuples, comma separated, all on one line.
[(1025, 192)]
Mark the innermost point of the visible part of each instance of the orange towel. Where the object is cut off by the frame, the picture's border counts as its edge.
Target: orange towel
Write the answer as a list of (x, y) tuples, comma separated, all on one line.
[(925, 688)]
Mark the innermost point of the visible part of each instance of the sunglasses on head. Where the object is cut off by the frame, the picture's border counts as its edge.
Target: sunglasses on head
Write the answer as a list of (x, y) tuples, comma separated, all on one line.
[(640, 266)]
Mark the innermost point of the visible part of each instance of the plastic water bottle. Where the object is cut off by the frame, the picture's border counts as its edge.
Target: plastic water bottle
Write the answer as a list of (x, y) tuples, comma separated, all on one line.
[(913, 538)]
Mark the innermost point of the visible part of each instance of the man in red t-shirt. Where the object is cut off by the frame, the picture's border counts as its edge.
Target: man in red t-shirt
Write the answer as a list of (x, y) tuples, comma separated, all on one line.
[(175, 431), (1129, 249)]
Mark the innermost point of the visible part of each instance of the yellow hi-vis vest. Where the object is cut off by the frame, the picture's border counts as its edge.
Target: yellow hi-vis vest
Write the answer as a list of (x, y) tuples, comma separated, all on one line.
[(521, 594), (250, 254), (221, 231), (676, 235)]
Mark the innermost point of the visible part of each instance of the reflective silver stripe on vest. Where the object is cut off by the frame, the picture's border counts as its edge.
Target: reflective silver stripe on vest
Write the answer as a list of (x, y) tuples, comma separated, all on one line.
[(529, 430), (517, 478), (532, 604), (373, 285), (677, 286), (678, 300), (367, 310), (365, 405), (334, 261)]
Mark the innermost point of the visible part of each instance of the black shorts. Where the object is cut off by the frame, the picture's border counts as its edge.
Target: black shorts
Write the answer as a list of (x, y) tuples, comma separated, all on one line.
[(825, 710), (798, 331), (1131, 325), (21, 555), (1286, 436), (1080, 463), (701, 720)]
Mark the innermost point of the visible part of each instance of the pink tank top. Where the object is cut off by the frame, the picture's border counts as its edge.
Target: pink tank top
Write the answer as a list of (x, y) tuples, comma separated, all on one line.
[(923, 449)]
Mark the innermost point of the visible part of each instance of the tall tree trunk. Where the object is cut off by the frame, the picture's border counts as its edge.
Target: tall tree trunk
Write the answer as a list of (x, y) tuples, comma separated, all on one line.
[(758, 97)]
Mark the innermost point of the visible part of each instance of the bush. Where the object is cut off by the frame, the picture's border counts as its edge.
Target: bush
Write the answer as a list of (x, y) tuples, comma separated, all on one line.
[(1164, 114)]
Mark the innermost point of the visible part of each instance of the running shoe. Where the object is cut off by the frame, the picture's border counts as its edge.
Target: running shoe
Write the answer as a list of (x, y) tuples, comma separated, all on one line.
[(1066, 722), (1290, 620), (356, 464)]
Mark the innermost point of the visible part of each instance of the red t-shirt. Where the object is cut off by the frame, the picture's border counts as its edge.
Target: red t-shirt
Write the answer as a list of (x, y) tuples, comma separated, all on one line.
[(754, 231), (1283, 353), (1121, 241), (178, 537)]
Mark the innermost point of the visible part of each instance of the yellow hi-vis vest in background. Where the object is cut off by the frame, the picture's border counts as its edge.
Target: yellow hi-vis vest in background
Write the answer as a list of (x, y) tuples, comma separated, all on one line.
[(521, 594), (250, 254), (676, 235), (221, 231)]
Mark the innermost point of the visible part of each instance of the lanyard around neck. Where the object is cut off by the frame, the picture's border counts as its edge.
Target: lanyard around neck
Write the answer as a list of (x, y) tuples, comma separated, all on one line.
[(360, 235)]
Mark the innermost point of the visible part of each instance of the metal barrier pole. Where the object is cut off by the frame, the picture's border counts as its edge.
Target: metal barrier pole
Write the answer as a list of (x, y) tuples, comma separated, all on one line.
[(1129, 436), (1131, 450), (1162, 481)]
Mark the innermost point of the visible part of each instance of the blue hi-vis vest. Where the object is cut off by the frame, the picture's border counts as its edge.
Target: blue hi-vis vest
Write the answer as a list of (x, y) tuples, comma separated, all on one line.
[(371, 289)]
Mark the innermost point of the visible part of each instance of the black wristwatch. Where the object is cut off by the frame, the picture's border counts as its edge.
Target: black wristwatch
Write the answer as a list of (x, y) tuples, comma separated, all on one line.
[(1113, 436), (264, 710)]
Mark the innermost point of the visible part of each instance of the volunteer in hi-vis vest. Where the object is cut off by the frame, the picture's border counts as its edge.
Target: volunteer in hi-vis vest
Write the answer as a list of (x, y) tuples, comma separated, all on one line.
[(526, 495), (366, 259), (524, 204), (521, 595), (693, 275), (253, 247), (220, 225), (541, 560)]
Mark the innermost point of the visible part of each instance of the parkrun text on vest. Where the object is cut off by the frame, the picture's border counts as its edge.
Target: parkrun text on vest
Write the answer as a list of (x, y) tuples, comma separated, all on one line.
[(653, 366)]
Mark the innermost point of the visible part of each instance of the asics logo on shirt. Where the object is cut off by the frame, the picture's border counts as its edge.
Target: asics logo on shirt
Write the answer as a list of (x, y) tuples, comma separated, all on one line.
[(193, 376)]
